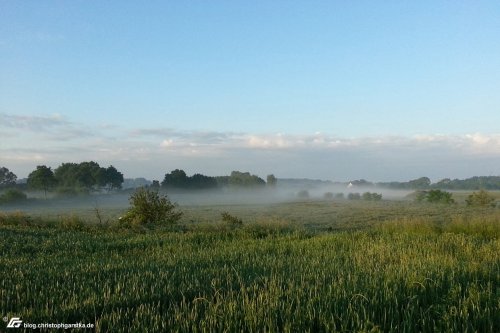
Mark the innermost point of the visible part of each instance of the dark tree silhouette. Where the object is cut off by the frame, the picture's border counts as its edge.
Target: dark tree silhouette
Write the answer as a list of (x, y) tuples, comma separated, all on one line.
[(7, 177), (42, 178)]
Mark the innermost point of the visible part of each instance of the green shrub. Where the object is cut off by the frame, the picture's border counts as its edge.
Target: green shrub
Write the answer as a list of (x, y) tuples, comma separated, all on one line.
[(303, 194), (12, 195), (149, 208), (72, 191), (15, 218), (371, 196), (72, 222), (328, 195), (481, 198), (339, 196), (231, 220), (354, 196), (434, 196)]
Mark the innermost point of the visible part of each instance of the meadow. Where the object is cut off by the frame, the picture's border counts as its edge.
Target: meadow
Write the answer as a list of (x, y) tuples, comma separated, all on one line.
[(312, 266)]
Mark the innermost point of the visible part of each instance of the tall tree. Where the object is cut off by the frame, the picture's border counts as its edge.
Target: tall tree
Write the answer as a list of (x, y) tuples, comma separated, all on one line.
[(7, 177), (199, 181), (65, 175), (420, 183), (271, 180), (42, 179), (113, 179), (176, 178), (245, 179), (88, 176)]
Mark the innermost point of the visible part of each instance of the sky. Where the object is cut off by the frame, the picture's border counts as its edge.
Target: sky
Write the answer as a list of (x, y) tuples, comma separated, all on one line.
[(338, 90)]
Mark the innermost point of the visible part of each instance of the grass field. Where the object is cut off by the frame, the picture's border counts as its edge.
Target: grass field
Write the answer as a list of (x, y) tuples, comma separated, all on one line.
[(298, 267)]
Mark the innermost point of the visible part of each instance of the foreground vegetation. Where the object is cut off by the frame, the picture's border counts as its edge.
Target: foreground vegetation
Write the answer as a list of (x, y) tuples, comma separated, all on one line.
[(403, 272)]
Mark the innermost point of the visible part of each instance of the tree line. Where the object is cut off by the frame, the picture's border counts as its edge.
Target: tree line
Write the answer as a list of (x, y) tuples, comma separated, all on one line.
[(81, 177), (178, 179), (89, 176), (424, 183), (86, 177)]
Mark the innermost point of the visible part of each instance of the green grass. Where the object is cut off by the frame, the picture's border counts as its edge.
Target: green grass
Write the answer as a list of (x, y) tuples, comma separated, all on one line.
[(295, 267)]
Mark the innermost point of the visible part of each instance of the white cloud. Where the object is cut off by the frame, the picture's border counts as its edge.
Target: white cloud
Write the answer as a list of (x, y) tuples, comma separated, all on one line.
[(51, 127), (54, 139), (270, 142), (24, 157), (167, 143), (31, 122)]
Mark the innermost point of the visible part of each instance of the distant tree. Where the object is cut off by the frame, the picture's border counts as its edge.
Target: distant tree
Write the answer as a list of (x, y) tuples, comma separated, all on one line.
[(155, 185), (481, 198), (240, 179), (354, 196), (12, 195), (420, 183), (176, 178), (367, 196), (86, 176), (135, 182), (303, 194), (199, 181), (64, 175), (271, 180), (42, 178), (339, 195), (361, 182), (89, 175), (7, 178), (222, 181), (113, 179), (245, 179), (394, 185), (328, 195), (443, 183)]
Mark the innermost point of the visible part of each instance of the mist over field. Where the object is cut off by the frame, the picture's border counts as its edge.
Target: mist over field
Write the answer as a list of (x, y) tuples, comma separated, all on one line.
[(224, 196)]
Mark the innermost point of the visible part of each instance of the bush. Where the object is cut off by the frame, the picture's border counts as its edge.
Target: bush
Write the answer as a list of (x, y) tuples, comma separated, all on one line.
[(64, 192), (149, 208), (371, 196), (434, 196), (12, 195), (304, 194), (72, 222), (231, 220), (328, 195), (15, 218), (339, 196), (354, 196), (481, 198)]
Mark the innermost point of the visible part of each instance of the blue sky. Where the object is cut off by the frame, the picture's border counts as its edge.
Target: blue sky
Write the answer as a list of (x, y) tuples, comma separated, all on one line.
[(315, 89)]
